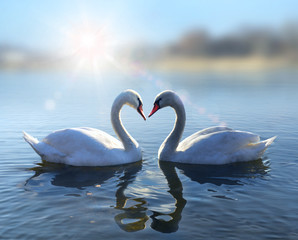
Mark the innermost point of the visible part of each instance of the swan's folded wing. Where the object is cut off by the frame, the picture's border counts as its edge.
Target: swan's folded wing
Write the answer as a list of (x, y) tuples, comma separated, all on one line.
[(222, 147), (189, 141), (70, 140), (227, 141), (211, 130)]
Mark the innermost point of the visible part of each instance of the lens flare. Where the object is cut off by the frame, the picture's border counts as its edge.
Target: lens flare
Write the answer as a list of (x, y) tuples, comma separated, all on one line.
[(90, 47)]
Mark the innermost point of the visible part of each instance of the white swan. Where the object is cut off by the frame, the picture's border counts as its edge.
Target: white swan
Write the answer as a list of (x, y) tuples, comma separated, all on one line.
[(215, 145), (93, 147)]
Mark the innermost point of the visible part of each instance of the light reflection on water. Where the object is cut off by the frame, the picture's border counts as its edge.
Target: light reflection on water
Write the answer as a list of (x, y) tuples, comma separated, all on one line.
[(87, 181), (146, 199)]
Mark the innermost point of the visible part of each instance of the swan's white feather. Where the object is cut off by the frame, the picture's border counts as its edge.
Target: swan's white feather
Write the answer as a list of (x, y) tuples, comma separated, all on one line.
[(205, 131), (215, 145), (220, 147), (46, 151), (92, 147), (82, 147)]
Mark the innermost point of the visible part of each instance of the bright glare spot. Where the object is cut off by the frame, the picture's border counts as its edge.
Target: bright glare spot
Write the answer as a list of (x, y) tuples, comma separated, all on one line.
[(88, 41), (50, 105), (90, 46)]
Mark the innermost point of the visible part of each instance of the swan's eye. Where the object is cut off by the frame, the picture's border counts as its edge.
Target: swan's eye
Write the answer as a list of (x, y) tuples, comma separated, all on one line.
[(140, 103), (157, 101)]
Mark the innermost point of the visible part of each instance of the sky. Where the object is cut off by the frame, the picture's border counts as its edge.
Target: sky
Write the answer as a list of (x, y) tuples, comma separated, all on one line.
[(43, 24)]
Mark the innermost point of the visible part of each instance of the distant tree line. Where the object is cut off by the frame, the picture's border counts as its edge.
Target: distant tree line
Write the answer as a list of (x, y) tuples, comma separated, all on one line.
[(245, 42)]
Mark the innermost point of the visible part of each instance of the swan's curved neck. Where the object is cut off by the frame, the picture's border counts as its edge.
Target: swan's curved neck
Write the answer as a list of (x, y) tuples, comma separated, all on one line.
[(172, 141), (128, 141)]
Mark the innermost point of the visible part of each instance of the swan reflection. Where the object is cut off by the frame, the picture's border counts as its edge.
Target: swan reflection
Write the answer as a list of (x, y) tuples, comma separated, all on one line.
[(230, 174), (132, 213), (176, 190), (131, 218)]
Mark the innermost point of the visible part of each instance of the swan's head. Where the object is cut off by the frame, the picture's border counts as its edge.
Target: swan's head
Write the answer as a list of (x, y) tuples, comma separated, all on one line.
[(164, 99), (134, 100)]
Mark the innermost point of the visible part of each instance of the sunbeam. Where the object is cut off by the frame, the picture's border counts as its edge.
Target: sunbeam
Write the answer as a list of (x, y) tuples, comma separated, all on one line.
[(88, 46)]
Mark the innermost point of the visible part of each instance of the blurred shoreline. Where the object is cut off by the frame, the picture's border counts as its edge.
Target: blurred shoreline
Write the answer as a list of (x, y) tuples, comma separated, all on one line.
[(227, 64), (174, 64), (250, 49)]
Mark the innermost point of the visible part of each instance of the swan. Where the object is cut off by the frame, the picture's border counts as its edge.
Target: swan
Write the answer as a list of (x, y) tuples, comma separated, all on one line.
[(92, 147), (214, 145)]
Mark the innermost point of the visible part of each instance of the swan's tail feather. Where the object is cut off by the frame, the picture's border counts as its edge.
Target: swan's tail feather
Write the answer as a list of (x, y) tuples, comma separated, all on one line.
[(269, 141), (264, 145), (29, 139), (33, 142), (44, 150), (256, 150)]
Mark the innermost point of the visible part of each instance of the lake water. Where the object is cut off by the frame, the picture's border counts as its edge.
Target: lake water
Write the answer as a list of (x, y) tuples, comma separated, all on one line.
[(149, 200)]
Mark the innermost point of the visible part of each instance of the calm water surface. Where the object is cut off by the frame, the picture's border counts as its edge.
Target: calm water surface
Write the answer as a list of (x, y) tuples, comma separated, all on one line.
[(149, 200)]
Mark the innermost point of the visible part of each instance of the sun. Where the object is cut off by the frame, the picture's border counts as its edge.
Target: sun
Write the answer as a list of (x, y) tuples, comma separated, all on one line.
[(87, 41), (90, 46)]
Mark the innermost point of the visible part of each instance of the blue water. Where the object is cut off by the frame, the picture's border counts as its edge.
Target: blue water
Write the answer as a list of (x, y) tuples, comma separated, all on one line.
[(149, 200)]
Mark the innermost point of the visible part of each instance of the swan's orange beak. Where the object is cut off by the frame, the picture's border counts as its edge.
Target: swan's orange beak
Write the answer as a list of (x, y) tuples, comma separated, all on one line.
[(155, 108), (140, 111)]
